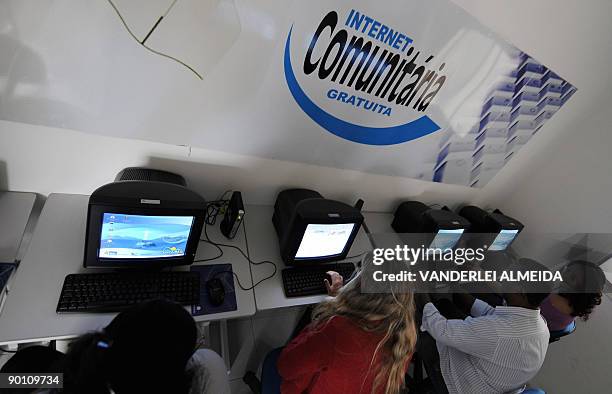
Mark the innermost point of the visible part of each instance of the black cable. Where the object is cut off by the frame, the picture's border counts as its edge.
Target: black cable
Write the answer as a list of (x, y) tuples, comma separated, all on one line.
[(148, 47), (355, 256), (207, 221), (218, 245), (246, 242), (237, 280)]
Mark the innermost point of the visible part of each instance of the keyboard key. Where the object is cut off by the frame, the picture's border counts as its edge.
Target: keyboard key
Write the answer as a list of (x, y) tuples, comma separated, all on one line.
[(111, 292), (307, 281)]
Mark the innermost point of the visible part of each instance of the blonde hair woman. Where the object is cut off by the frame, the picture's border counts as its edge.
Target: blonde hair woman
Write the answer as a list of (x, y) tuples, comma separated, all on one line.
[(358, 342)]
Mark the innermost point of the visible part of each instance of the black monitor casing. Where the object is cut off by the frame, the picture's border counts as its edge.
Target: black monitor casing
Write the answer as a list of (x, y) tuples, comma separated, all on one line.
[(136, 197), (294, 209), (416, 217), (489, 224)]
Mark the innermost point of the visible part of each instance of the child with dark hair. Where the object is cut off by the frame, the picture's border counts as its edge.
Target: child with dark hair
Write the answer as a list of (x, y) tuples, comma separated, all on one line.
[(491, 350), (148, 348), (580, 294)]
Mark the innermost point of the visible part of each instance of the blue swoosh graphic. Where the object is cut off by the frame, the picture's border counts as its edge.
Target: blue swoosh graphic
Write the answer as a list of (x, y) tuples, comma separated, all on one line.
[(350, 131)]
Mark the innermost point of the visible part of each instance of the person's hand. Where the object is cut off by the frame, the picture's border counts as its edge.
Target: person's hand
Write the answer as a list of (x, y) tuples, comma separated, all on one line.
[(336, 283)]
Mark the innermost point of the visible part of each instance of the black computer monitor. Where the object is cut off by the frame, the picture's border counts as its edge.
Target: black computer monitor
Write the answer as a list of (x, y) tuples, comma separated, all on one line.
[(436, 228), (312, 229), (446, 238), (143, 224), (498, 230)]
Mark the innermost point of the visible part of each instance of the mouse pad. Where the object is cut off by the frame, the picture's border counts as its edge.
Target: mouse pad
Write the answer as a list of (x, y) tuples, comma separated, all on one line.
[(219, 271)]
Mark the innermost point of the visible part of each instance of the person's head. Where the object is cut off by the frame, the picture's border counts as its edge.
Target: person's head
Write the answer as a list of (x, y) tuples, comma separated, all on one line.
[(388, 314), (583, 286), (144, 349), (526, 293)]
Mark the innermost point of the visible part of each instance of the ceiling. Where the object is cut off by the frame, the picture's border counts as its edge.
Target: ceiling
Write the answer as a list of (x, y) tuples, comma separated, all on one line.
[(573, 37)]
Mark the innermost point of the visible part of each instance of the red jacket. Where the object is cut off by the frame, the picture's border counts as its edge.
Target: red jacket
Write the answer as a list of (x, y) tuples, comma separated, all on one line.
[(334, 358)]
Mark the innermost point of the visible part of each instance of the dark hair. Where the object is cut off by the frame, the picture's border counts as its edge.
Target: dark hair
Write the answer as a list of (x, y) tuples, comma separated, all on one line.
[(144, 349), (586, 291), (535, 299), (535, 292), (32, 359)]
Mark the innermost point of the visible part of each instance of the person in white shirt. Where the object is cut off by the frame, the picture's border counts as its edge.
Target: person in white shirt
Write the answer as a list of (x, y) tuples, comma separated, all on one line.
[(494, 350)]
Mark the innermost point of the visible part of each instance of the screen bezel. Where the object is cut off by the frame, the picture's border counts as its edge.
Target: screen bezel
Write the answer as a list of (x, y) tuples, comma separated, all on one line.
[(328, 255), (323, 259), (458, 231), (497, 236), (94, 231)]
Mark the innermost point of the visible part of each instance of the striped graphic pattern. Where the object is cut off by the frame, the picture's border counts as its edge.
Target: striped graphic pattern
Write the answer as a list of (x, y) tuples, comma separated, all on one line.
[(516, 108)]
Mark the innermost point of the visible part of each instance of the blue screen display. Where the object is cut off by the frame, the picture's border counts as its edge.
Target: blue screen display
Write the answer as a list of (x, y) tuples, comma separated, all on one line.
[(503, 240), (143, 237), (446, 239)]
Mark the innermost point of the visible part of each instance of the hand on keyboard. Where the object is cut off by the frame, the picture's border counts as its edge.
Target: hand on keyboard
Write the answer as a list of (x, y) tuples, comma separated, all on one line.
[(337, 281)]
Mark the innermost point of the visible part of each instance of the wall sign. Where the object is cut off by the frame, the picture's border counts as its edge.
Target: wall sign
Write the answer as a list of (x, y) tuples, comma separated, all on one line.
[(379, 78), (367, 68), (408, 88)]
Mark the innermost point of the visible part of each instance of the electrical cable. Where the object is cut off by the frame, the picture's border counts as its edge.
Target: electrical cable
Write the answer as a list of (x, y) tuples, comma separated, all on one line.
[(207, 221), (142, 43), (219, 246), (355, 256)]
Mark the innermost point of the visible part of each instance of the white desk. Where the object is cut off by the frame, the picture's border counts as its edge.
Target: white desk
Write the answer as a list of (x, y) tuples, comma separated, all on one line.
[(263, 245), (56, 250), (15, 211)]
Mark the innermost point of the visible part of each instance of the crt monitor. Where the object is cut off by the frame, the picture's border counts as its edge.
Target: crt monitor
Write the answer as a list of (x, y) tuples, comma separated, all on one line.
[(497, 230), (446, 238), (503, 240), (437, 228), (131, 236), (143, 224), (312, 229)]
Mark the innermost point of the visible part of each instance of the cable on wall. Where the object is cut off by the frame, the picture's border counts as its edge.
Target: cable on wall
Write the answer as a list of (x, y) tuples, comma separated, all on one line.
[(142, 43)]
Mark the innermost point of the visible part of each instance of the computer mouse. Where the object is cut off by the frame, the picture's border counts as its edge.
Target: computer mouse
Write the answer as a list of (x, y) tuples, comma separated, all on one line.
[(216, 291)]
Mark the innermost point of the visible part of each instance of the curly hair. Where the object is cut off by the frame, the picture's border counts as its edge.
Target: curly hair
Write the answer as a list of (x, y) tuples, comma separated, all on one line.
[(385, 313), (582, 303), (587, 290)]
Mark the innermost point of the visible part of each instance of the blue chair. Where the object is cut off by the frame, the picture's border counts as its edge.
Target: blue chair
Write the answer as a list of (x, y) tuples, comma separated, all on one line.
[(270, 379), (556, 335), (533, 391)]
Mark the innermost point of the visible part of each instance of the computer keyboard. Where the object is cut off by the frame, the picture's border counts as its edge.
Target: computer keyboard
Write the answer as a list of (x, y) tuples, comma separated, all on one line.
[(112, 292), (306, 281)]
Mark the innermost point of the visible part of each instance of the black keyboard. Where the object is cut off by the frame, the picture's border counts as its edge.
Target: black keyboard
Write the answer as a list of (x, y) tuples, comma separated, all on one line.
[(113, 292), (307, 281)]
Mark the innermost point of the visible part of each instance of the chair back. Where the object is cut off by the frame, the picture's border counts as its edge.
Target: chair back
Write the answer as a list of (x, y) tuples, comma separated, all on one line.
[(556, 335)]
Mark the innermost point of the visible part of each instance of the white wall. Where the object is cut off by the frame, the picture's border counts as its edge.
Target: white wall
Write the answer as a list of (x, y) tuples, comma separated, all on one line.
[(566, 186), (561, 180), (47, 160)]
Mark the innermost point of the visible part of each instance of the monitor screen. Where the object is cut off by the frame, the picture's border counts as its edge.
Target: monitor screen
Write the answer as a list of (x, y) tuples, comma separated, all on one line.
[(324, 240), (446, 239), (503, 240), (143, 237)]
